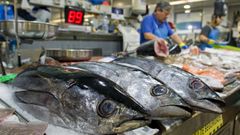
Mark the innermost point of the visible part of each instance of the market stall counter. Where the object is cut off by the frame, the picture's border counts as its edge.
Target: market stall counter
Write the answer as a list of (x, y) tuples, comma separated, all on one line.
[(105, 43), (216, 64), (210, 123)]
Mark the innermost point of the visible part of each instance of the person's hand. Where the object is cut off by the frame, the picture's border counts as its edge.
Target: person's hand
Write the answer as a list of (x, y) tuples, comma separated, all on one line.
[(211, 42), (194, 50), (160, 47), (183, 46)]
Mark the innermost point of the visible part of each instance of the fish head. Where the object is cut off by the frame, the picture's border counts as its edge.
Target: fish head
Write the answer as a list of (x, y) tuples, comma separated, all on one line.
[(204, 90), (172, 105), (104, 115), (193, 91), (75, 105), (117, 118), (192, 83)]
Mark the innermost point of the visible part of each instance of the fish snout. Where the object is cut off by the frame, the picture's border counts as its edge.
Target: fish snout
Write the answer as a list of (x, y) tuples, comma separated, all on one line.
[(171, 112)]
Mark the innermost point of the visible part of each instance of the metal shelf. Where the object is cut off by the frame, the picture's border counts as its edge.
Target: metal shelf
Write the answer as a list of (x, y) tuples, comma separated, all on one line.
[(28, 29)]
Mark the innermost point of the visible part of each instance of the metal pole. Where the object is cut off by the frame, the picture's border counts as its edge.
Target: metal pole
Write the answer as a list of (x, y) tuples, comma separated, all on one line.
[(5, 8), (16, 23), (1, 62), (16, 31)]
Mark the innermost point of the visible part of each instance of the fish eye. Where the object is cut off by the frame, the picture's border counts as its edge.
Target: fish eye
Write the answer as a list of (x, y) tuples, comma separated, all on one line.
[(106, 108), (158, 90), (196, 83)]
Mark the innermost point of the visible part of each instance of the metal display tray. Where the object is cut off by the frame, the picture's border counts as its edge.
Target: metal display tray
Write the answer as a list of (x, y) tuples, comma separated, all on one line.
[(70, 55), (28, 29)]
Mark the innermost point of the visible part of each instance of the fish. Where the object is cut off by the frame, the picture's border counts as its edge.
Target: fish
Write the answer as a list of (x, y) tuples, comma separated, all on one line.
[(159, 100), (212, 72), (4, 113), (193, 91), (32, 128), (156, 48), (72, 99)]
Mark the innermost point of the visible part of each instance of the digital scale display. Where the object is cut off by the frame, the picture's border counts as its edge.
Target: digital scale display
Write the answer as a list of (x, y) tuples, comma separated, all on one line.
[(74, 15)]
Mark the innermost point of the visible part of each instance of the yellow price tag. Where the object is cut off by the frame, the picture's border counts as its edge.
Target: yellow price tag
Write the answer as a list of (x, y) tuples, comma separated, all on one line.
[(211, 127)]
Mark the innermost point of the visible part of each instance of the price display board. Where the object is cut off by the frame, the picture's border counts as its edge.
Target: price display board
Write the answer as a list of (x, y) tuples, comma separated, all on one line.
[(74, 15)]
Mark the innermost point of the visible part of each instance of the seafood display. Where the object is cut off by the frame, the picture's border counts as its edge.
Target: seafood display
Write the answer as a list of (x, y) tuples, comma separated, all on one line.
[(211, 63), (120, 96)]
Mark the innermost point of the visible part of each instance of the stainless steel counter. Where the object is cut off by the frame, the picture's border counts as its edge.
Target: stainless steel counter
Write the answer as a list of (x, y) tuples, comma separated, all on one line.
[(205, 123)]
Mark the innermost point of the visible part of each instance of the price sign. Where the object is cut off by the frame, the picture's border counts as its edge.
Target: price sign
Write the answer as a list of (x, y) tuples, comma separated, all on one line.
[(74, 15)]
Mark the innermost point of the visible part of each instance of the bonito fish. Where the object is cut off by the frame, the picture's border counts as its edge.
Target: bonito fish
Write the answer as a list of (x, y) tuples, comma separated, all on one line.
[(158, 99), (194, 92), (72, 99)]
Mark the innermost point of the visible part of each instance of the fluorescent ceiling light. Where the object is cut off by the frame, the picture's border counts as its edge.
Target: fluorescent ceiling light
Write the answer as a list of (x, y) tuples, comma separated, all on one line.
[(179, 2), (187, 11), (190, 27), (57, 20), (120, 4), (186, 6), (89, 16)]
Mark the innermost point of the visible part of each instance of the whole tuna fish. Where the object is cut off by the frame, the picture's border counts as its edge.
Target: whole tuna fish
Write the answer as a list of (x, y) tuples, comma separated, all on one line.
[(196, 93), (159, 100), (72, 99)]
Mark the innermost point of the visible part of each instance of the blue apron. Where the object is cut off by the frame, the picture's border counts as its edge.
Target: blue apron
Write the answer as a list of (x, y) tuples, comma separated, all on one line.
[(160, 33), (214, 34)]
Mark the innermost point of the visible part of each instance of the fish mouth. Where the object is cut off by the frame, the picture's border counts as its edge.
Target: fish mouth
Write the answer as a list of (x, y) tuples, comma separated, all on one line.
[(204, 105), (171, 111), (217, 101), (131, 124)]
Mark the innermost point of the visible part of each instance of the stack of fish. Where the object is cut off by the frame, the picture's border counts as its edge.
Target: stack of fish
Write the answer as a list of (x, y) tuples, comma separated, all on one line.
[(110, 98)]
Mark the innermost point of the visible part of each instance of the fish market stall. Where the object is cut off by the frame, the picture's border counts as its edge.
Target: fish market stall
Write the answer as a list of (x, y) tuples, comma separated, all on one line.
[(210, 123), (65, 91), (207, 117)]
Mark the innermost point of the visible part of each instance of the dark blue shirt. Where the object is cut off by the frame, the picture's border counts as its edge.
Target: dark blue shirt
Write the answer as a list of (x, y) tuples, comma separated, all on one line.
[(150, 24)]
